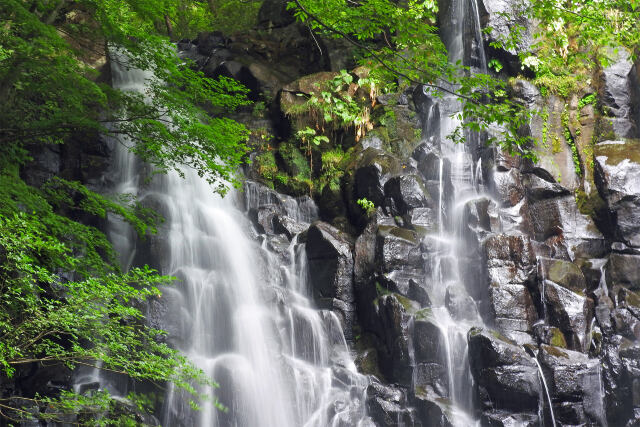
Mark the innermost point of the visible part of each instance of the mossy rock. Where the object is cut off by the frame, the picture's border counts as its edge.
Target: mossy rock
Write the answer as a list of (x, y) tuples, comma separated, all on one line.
[(294, 185), (632, 298), (399, 128), (424, 314), (409, 305), (403, 233), (388, 163), (616, 153), (367, 363), (590, 204), (554, 351), (294, 99), (290, 103), (295, 163), (564, 273), (557, 338), (497, 335), (265, 166)]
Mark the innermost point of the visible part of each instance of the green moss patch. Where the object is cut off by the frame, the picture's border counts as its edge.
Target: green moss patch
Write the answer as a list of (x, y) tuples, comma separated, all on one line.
[(618, 152), (557, 338)]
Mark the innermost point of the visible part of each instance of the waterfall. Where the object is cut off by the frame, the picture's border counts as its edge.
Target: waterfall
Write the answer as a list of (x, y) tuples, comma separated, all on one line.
[(482, 56), (238, 311), (462, 184)]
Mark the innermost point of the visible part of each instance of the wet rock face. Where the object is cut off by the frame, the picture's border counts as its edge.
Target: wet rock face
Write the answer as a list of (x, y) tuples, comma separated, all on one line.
[(575, 381), (374, 167), (525, 265), (406, 193), (398, 248), (617, 175), (505, 374), (562, 286), (388, 405), (392, 321), (620, 96), (510, 266), (623, 270), (329, 253), (509, 419), (502, 16)]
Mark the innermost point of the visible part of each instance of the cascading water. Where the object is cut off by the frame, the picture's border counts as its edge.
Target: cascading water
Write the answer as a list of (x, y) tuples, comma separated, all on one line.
[(460, 182), (278, 360)]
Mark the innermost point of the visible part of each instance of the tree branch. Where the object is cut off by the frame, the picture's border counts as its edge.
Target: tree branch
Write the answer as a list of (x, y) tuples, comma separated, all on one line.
[(377, 57)]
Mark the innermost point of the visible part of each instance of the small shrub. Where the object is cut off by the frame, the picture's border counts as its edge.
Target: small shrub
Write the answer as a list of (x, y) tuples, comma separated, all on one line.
[(266, 165), (367, 205), (589, 99)]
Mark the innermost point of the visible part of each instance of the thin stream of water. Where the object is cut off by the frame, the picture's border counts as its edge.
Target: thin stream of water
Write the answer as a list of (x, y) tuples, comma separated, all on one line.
[(546, 390)]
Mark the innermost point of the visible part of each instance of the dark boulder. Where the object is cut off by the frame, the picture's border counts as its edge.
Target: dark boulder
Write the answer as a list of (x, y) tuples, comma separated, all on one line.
[(513, 310), (623, 270), (375, 168), (407, 192), (433, 409), (428, 342), (479, 215), (431, 377), (365, 255), (617, 176), (510, 259), (288, 226), (626, 324), (274, 13), (407, 282), (388, 405), (398, 248), (208, 41), (539, 189), (423, 220), (263, 218), (257, 197), (564, 273), (499, 418), (329, 253), (392, 322), (502, 17), (569, 311), (575, 381), (504, 371), (619, 94)]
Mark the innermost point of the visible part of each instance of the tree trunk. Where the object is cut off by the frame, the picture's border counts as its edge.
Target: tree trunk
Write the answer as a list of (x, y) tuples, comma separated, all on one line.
[(54, 13), (169, 25)]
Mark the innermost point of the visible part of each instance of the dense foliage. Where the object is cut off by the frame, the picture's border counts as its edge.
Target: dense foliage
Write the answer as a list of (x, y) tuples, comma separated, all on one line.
[(63, 300), (46, 80), (401, 43)]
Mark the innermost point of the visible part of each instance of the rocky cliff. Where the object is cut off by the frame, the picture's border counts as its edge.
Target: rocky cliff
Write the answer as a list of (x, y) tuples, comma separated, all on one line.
[(548, 279)]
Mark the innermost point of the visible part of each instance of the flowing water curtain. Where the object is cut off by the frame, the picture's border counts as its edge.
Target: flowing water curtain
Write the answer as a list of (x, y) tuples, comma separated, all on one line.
[(218, 317)]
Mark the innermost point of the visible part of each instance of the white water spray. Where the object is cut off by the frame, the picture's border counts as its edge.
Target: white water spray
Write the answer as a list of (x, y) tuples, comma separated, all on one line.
[(274, 355)]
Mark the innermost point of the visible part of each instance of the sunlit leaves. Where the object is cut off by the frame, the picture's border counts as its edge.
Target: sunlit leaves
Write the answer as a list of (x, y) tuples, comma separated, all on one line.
[(44, 81)]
